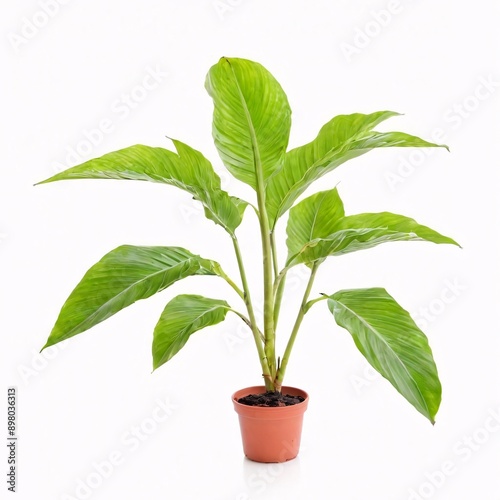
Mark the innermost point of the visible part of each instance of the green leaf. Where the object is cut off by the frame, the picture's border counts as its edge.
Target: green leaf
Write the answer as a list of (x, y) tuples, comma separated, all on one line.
[(315, 217), (343, 138), (392, 343), (221, 208), (251, 120), (183, 316), (123, 276), (188, 170), (351, 233)]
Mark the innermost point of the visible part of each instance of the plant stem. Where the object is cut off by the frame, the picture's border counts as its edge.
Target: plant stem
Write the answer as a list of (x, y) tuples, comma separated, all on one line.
[(246, 321), (277, 299), (231, 283), (266, 373), (278, 294), (300, 316), (267, 258), (279, 279), (275, 254), (268, 290), (312, 302)]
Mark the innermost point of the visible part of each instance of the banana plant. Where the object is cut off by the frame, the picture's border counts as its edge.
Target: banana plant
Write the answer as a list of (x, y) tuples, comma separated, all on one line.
[(251, 127)]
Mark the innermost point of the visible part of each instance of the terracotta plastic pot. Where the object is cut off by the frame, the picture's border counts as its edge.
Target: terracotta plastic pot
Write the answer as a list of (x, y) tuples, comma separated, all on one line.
[(270, 434)]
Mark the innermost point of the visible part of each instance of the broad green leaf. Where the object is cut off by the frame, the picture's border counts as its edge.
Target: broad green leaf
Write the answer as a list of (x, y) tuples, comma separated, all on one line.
[(123, 276), (251, 120), (343, 138), (363, 231), (183, 316), (392, 343), (315, 217), (188, 170)]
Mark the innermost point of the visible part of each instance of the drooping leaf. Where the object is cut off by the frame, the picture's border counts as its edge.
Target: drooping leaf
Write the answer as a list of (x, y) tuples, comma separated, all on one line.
[(343, 138), (188, 170), (251, 120), (392, 343), (183, 316), (219, 207), (363, 231), (123, 276)]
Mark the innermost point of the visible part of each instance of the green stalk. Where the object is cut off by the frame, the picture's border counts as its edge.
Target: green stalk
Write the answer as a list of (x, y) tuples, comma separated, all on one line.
[(245, 320), (300, 316), (275, 254), (277, 299), (270, 349), (267, 257), (278, 294), (231, 283), (266, 373), (312, 302)]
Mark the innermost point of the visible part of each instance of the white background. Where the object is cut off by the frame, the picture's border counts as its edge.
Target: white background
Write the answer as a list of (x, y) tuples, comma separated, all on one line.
[(361, 439)]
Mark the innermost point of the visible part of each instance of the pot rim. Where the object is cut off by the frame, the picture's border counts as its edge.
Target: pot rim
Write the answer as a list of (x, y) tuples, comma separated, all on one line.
[(261, 388)]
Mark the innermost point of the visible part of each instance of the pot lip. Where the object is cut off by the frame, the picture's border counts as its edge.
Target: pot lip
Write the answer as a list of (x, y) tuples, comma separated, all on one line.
[(256, 388)]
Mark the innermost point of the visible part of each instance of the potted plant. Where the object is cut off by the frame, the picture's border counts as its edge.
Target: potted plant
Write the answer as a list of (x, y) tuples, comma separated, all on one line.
[(251, 126)]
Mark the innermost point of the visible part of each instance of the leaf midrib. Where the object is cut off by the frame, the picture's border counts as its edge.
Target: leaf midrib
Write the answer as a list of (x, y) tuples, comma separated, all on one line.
[(317, 241), (135, 283), (363, 321), (259, 177)]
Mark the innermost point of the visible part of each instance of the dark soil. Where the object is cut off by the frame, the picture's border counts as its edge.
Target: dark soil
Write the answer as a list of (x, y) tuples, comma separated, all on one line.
[(270, 399)]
